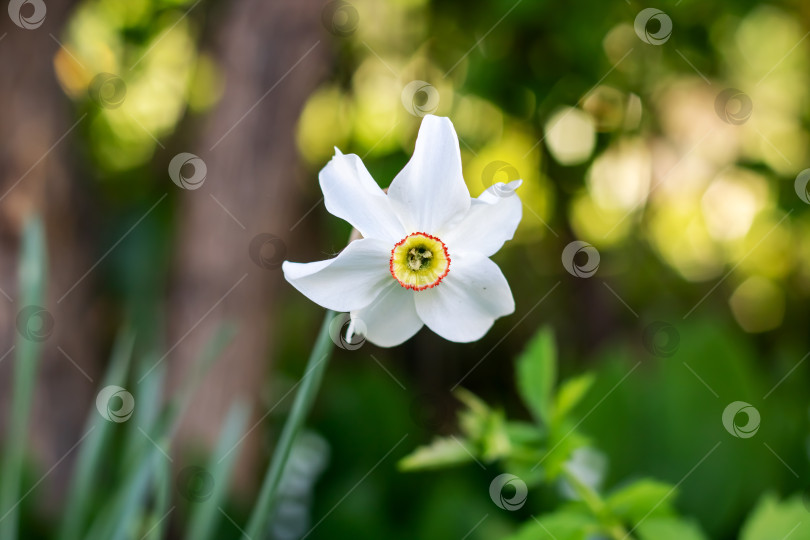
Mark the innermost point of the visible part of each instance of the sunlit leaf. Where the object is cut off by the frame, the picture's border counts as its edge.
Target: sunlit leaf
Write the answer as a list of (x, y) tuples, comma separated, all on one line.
[(670, 528), (537, 373), (570, 394), (775, 519), (642, 499), (442, 452)]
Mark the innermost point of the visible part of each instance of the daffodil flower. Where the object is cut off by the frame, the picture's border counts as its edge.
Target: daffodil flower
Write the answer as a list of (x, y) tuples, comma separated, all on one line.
[(423, 258)]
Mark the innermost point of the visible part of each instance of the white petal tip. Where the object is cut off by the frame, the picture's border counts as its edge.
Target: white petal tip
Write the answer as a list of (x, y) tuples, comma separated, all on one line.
[(514, 184)]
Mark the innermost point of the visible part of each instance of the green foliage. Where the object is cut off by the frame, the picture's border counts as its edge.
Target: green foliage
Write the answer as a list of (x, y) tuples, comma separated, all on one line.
[(116, 493), (564, 524), (440, 453), (32, 276), (570, 394), (642, 499), (537, 375), (773, 518), (543, 454), (202, 525), (669, 528)]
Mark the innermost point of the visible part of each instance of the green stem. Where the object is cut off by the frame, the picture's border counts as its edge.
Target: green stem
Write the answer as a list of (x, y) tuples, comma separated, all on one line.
[(310, 382), (598, 508)]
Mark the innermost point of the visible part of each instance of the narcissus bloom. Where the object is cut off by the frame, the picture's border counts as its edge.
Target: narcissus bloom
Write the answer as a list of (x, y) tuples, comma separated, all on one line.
[(424, 253)]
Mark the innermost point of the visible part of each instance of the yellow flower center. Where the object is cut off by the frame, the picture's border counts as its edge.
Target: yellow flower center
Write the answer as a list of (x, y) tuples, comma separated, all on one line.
[(419, 261)]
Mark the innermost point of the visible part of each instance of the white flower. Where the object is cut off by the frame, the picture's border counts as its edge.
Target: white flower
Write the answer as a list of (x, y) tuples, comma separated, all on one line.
[(424, 255)]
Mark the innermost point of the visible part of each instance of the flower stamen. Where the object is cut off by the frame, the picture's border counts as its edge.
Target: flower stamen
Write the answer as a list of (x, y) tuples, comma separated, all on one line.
[(419, 261)]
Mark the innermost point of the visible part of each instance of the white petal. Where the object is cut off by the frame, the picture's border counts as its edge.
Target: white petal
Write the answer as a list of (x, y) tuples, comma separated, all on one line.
[(351, 194), (466, 303), (350, 281), (391, 318), (490, 221), (430, 191)]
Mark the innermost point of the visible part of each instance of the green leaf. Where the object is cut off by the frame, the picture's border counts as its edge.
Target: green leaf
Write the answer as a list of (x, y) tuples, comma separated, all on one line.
[(570, 394), (536, 375), (474, 418), (495, 440), (774, 519), (561, 447), (568, 524), (670, 528), (524, 433), (483, 427), (32, 276), (442, 452), (642, 499), (91, 452), (204, 517)]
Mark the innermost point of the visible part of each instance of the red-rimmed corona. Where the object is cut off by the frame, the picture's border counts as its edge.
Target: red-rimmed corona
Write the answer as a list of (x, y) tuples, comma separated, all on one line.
[(419, 261)]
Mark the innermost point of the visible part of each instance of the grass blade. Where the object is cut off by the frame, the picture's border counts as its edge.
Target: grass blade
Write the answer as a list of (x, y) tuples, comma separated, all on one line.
[(304, 398), (91, 451), (204, 516), (32, 276), (148, 439)]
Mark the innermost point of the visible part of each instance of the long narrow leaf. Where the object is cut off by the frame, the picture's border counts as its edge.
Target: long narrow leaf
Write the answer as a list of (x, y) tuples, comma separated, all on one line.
[(150, 431), (162, 495), (204, 517), (32, 277), (91, 451)]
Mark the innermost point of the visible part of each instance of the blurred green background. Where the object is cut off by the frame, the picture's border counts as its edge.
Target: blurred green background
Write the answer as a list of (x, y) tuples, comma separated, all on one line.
[(626, 138)]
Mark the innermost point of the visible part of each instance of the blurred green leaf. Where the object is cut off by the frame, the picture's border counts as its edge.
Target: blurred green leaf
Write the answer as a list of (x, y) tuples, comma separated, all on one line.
[(204, 516), (561, 448), (570, 394), (473, 419), (484, 427), (89, 461), (156, 522), (568, 524), (495, 441), (32, 276), (670, 528), (536, 375), (442, 452), (775, 519), (523, 433), (641, 499)]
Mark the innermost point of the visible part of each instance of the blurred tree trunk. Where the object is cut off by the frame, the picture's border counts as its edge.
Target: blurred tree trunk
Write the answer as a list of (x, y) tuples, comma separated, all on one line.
[(272, 56), (38, 176)]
